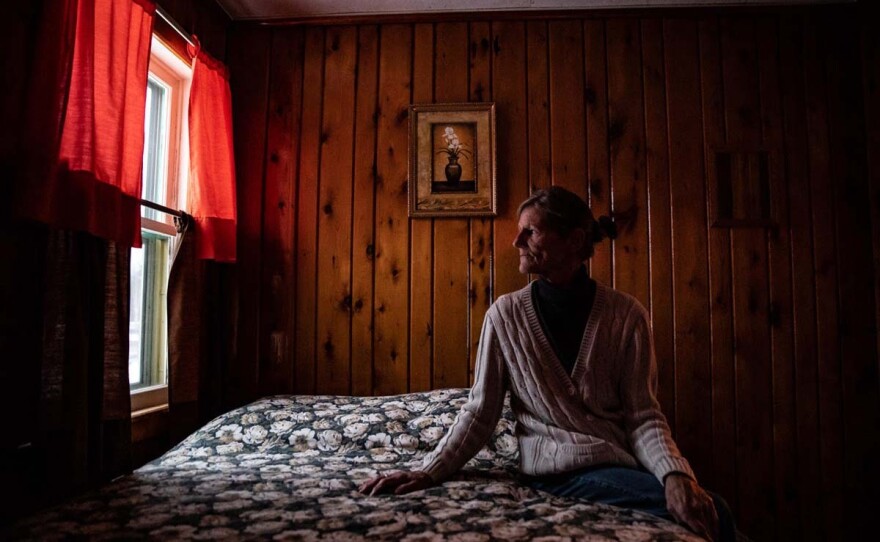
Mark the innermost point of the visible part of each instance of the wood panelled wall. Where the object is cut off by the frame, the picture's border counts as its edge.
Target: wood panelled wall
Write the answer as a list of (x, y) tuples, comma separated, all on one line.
[(765, 337)]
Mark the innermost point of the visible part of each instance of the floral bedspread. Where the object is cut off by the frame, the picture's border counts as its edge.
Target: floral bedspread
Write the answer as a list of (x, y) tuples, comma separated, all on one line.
[(288, 468)]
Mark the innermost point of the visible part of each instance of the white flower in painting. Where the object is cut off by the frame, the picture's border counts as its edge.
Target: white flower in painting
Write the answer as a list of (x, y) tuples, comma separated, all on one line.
[(454, 148), (329, 440), (254, 434), (375, 417), (229, 433), (431, 434), (250, 418), (356, 430), (303, 439), (322, 424), (281, 426), (379, 440)]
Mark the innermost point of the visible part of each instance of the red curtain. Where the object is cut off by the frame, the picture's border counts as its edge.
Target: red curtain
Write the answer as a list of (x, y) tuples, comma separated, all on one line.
[(212, 168), (95, 184)]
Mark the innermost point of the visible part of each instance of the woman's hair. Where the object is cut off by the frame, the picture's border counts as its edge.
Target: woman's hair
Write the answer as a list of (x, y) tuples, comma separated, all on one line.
[(564, 211)]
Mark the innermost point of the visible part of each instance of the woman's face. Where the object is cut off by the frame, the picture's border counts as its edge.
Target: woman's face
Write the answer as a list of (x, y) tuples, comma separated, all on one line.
[(543, 251)]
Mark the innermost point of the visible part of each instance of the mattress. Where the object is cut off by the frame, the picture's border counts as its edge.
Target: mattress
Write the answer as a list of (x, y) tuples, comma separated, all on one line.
[(288, 468)]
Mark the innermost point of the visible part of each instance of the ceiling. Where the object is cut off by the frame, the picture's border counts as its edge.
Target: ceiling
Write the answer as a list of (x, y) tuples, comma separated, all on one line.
[(265, 10)]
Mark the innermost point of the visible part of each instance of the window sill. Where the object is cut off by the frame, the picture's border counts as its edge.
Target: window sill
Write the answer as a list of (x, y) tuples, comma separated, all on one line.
[(149, 410), (146, 400)]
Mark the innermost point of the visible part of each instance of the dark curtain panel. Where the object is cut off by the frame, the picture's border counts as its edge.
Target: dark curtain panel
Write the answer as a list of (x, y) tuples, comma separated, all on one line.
[(200, 338), (65, 382)]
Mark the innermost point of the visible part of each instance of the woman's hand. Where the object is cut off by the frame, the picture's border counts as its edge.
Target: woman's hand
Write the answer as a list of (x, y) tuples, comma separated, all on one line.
[(397, 483), (691, 505)]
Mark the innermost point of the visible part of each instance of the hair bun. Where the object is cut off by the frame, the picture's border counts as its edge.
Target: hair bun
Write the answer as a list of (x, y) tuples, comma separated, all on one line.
[(606, 228)]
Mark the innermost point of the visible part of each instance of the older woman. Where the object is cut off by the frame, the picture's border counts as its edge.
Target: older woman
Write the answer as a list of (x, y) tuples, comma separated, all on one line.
[(578, 359)]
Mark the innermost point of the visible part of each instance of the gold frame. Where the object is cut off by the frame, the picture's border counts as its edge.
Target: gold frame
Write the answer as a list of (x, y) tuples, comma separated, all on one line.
[(430, 196)]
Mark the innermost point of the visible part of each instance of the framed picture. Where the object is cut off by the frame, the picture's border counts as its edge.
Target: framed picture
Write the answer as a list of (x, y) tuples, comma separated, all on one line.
[(452, 160)]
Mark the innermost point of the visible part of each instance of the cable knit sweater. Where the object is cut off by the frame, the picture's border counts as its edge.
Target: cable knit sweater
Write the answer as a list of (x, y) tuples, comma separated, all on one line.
[(606, 412)]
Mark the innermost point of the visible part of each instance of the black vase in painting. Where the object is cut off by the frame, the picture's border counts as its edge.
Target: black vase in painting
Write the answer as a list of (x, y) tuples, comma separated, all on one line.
[(453, 171)]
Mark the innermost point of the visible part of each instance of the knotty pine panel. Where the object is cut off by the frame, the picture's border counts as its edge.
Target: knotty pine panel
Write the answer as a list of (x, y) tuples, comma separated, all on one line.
[(627, 155), (659, 213), (765, 337), (421, 321), (279, 212), (720, 279), (693, 382), (741, 105), (480, 259), (830, 436), (391, 307), (249, 60), (335, 213), (363, 201), (858, 356), (509, 74), (451, 235), (306, 279), (870, 55), (598, 136), (779, 261), (567, 122), (805, 381)]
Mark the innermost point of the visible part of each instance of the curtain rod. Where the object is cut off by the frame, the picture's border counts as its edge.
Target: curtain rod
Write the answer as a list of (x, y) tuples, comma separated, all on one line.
[(177, 28), (166, 210)]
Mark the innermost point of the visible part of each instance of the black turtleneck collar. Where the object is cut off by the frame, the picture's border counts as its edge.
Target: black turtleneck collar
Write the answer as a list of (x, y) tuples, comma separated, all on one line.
[(575, 292)]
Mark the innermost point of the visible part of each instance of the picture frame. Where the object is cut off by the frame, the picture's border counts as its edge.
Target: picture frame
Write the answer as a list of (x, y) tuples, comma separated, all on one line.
[(452, 160)]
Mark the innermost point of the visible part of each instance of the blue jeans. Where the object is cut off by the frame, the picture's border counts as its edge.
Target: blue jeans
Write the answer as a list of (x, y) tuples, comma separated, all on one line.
[(627, 488)]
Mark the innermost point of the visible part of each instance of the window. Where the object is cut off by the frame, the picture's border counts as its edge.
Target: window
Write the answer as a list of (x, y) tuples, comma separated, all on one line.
[(165, 164)]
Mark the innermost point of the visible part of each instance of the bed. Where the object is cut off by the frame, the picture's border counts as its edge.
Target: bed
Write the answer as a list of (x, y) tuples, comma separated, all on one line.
[(288, 467)]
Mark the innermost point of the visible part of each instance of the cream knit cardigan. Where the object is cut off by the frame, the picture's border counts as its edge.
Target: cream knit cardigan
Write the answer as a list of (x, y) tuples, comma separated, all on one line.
[(606, 412)]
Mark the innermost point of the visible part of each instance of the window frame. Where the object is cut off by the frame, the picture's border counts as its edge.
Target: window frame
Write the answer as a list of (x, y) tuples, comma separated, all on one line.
[(175, 73)]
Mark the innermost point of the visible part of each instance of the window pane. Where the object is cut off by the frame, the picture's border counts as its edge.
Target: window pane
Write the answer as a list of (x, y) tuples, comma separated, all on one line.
[(135, 316), (148, 332), (155, 145)]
